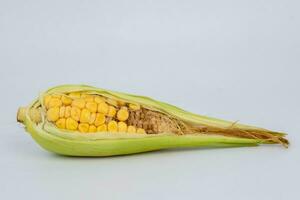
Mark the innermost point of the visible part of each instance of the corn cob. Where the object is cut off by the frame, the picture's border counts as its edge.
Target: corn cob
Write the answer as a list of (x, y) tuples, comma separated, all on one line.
[(80, 120)]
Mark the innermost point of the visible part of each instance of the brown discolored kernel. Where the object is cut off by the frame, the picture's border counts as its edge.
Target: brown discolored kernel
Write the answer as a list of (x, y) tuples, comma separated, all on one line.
[(121, 103)]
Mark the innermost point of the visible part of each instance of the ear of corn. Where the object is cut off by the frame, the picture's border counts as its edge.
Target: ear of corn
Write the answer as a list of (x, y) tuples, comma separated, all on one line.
[(87, 121)]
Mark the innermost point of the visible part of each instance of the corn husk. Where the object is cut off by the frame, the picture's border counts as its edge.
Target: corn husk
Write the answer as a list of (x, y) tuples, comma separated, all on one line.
[(220, 133)]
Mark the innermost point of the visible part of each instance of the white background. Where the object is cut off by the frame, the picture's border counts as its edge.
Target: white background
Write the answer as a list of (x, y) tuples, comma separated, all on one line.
[(234, 59)]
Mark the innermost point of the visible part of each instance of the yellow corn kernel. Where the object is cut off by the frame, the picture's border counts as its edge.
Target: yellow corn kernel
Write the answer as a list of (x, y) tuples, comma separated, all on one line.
[(66, 100), (102, 128), (75, 95), (54, 102), (122, 127), (121, 103), (134, 106), (85, 115), (112, 126), (75, 113), (92, 106), (103, 108), (92, 118), (112, 102), (62, 111), (122, 114), (131, 129), (87, 97), (47, 99), (71, 124), (83, 127), (53, 114), (68, 111), (61, 123), (92, 129), (99, 99), (56, 96), (80, 103), (111, 111), (100, 119), (141, 130)]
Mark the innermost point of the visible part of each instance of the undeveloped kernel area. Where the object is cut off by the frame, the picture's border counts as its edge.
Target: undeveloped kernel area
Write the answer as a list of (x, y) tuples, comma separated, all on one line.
[(90, 113), (154, 122)]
